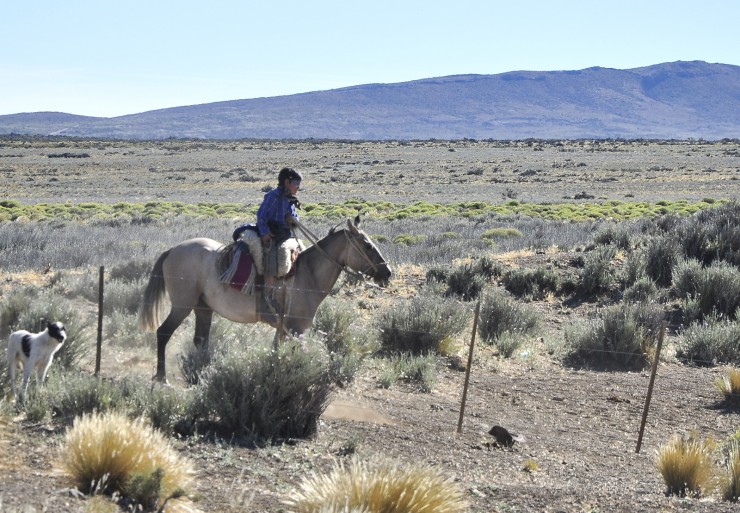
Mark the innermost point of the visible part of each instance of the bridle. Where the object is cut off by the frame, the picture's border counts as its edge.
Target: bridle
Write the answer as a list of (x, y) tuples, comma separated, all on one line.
[(352, 242)]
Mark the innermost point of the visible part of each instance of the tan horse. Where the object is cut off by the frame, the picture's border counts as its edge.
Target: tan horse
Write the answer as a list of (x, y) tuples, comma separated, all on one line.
[(189, 274)]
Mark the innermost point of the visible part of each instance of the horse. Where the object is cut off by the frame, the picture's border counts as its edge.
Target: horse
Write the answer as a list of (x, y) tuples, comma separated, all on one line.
[(189, 274)]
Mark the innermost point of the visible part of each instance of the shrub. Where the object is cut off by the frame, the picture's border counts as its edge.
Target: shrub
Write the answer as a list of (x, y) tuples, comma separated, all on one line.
[(73, 394), (507, 343), (633, 268), (614, 236), (719, 290), (688, 276), (465, 283), (500, 313), (643, 289), (421, 370), (685, 465), (596, 274), (711, 342), (621, 335), (123, 296), (729, 387), (107, 453), (381, 486), (661, 255), (334, 323), (419, 325), (712, 234), (531, 283), (267, 393), (730, 483), (501, 233)]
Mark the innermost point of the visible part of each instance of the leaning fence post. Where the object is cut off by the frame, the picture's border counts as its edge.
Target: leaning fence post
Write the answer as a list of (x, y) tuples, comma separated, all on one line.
[(100, 320), (650, 386), (467, 369)]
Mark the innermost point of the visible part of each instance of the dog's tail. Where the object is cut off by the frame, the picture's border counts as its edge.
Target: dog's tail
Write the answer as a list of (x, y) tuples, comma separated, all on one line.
[(153, 295)]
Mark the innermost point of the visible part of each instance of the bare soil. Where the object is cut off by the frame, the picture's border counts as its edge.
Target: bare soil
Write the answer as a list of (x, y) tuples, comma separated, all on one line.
[(581, 426)]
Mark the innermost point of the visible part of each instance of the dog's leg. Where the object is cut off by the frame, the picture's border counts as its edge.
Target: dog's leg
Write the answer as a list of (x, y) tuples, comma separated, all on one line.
[(42, 370), (27, 369), (12, 366)]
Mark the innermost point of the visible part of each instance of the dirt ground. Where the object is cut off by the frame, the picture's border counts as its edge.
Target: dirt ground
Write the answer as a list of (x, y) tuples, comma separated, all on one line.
[(581, 430), (580, 427)]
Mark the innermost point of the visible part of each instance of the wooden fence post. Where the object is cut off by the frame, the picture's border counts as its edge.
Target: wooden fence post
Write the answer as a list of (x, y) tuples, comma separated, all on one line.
[(100, 320), (650, 387), (467, 369)]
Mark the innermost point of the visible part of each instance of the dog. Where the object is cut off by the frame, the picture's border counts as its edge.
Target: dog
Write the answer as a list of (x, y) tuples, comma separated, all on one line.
[(34, 352)]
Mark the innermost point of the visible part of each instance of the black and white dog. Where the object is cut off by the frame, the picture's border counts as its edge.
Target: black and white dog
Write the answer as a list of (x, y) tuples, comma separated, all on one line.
[(34, 352)]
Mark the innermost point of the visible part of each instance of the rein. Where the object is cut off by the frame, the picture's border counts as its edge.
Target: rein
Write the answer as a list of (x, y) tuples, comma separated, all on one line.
[(314, 240)]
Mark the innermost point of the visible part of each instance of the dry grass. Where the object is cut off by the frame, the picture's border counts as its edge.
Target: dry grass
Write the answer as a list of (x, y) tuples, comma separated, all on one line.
[(381, 487), (111, 453), (686, 465), (729, 386), (730, 482)]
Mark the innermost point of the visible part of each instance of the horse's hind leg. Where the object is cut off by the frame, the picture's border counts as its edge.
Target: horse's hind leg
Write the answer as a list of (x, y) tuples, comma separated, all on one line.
[(203, 319), (164, 332)]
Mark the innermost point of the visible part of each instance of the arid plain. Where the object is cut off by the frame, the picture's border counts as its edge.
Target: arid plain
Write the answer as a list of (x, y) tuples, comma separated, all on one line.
[(580, 425)]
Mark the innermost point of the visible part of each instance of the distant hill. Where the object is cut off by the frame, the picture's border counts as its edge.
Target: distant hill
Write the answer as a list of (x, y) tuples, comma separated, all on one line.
[(677, 100)]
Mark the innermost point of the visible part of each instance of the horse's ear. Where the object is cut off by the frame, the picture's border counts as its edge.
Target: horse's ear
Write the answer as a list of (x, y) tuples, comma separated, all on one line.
[(353, 226)]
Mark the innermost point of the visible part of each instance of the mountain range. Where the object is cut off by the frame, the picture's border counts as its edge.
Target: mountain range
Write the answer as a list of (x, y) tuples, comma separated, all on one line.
[(676, 100)]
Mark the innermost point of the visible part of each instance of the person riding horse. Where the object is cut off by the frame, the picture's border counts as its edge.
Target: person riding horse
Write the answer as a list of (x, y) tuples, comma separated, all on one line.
[(276, 217)]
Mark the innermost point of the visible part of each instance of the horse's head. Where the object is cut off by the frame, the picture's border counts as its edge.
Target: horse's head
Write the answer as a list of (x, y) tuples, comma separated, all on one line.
[(364, 256)]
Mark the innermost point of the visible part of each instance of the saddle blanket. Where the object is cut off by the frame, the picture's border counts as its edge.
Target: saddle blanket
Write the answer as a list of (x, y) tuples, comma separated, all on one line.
[(241, 273)]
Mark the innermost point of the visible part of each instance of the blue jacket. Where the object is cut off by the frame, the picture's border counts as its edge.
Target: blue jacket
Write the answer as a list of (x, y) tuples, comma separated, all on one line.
[(271, 214)]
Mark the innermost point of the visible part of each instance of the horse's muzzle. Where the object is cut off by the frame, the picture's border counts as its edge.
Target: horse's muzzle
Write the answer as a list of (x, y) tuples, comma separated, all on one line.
[(383, 275)]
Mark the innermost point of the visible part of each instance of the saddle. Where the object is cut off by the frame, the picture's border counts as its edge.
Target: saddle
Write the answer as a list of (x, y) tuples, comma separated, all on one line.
[(243, 260)]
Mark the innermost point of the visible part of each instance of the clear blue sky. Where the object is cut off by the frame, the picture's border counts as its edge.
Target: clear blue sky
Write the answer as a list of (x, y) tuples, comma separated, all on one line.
[(109, 58)]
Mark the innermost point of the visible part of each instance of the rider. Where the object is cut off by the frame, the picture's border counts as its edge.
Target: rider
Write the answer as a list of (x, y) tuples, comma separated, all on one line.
[(276, 216)]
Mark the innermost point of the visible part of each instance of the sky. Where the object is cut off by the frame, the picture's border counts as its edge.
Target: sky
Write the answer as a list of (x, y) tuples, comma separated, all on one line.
[(109, 58)]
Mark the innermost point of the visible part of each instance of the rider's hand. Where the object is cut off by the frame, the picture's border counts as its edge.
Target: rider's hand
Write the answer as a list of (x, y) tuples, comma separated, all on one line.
[(291, 221)]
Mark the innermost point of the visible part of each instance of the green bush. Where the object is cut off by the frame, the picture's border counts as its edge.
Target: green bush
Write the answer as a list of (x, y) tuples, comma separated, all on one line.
[(501, 233), (714, 341), (712, 234), (643, 289), (719, 290), (419, 325), (531, 283), (597, 274), (621, 335), (688, 276), (73, 394), (614, 236), (465, 282), (500, 314), (265, 393), (335, 323), (420, 370), (662, 253)]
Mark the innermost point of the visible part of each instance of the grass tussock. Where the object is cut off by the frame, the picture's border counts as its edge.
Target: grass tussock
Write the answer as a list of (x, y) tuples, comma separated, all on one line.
[(729, 387), (107, 453), (685, 463), (729, 483), (382, 487)]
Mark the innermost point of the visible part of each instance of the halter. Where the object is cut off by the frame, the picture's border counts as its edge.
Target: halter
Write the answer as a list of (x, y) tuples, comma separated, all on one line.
[(313, 239)]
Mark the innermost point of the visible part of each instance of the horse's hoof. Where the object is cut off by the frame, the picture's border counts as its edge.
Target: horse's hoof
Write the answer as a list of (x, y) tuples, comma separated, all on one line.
[(158, 378)]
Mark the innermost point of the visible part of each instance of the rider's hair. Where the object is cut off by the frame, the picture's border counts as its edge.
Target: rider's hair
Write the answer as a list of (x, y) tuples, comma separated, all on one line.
[(289, 173)]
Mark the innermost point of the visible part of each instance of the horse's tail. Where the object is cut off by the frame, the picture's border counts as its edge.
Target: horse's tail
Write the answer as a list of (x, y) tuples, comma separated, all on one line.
[(153, 295)]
